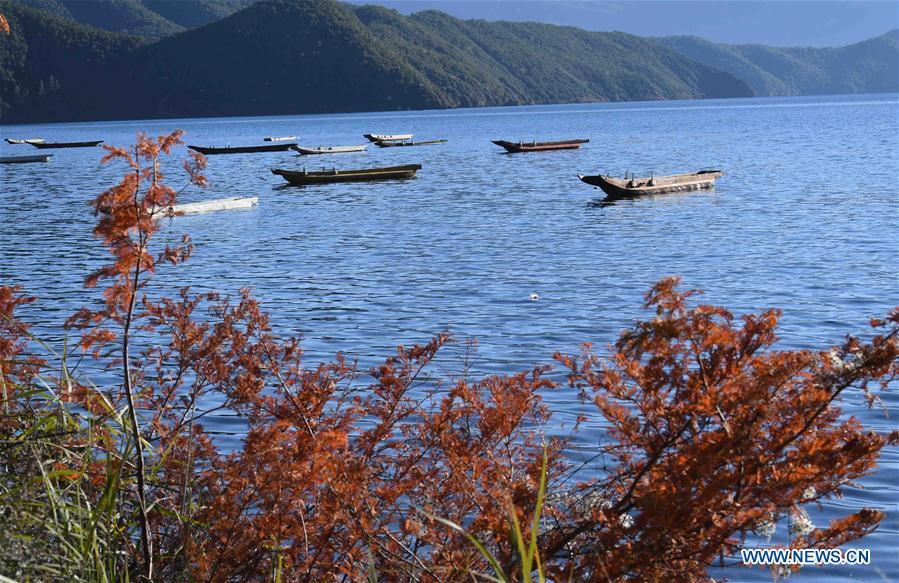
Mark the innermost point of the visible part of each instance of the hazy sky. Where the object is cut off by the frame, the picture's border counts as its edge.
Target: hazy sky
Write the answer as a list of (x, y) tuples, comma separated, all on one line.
[(774, 22)]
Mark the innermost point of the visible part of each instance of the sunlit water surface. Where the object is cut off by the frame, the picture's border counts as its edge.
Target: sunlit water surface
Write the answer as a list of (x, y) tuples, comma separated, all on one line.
[(805, 220)]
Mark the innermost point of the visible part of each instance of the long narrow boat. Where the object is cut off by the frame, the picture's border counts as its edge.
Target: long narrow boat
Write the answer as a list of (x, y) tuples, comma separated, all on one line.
[(384, 144), (50, 145), (210, 150), (279, 139), (29, 141), (330, 150), (540, 146), (303, 177), (387, 137), (635, 186), (24, 159), (207, 206)]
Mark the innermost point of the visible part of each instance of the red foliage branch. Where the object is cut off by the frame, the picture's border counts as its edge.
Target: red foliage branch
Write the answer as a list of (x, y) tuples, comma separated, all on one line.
[(712, 433), (128, 220)]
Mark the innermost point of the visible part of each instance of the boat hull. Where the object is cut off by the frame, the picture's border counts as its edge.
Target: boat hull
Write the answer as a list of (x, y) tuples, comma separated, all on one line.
[(387, 137), (211, 151), (388, 144), (617, 188), (302, 178), (332, 150), (208, 206), (30, 141), (515, 147), (24, 159), (52, 145)]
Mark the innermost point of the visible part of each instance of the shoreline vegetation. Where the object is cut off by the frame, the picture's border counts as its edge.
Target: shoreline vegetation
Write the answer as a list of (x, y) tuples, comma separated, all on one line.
[(64, 62), (715, 441)]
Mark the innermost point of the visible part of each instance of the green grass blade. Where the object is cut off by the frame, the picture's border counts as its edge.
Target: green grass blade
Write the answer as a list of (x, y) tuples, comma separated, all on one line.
[(494, 564)]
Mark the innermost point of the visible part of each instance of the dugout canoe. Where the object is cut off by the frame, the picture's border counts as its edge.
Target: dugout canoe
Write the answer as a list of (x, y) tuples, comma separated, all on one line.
[(386, 144), (513, 147), (24, 159), (302, 177), (207, 206), (636, 186), (330, 150), (211, 150), (28, 141), (50, 145), (386, 137)]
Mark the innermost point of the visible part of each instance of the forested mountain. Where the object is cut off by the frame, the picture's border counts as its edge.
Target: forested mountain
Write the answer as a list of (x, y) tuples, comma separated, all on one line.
[(152, 19), (475, 62), (124, 16), (53, 68), (866, 67), (194, 13), (277, 56), (307, 56)]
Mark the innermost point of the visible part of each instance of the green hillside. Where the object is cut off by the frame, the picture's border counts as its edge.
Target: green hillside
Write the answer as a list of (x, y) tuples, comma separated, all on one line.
[(194, 13), (53, 69), (124, 16), (476, 62), (277, 56), (866, 67)]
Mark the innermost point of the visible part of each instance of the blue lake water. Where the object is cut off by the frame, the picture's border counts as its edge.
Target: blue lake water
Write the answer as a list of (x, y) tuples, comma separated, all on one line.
[(805, 220)]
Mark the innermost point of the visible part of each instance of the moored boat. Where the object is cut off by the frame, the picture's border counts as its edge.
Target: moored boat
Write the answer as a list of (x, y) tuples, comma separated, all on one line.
[(540, 146), (635, 186), (50, 145), (330, 150), (207, 206), (386, 144), (211, 150), (24, 159), (279, 139), (28, 141), (302, 177), (386, 137)]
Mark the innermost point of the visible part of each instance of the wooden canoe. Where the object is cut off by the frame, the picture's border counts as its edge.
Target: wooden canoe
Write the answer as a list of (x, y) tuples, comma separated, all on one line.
[(329, 150), (386, 137), (49, 145), (385, 144), (210, 150), (540, 146), (207, 206), (302, 177), (30, 141), (279, 139), (24, 159), (635, 186)]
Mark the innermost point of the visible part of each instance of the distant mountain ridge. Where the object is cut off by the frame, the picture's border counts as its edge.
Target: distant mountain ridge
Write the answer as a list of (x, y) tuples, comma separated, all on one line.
[(310, 56), (477, 63), (867, 67)]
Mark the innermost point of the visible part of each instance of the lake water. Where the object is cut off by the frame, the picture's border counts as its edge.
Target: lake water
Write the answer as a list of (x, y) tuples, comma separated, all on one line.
[(805, 220)]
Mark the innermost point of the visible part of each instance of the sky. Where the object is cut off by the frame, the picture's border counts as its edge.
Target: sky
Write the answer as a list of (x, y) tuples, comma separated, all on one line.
[(773, 22)]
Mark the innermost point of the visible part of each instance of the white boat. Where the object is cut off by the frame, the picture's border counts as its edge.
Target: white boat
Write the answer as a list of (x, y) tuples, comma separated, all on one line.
[(24, 159), (31, 141), (207, 206), (387, 137), (329, 150), (279, 139)]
